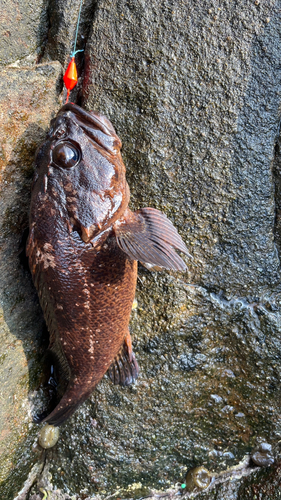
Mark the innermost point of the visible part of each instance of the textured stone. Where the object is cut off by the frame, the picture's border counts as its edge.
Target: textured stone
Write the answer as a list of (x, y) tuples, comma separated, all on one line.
[(23, 27), (193, 90), (62, 28), (28, 99), (263, 484)]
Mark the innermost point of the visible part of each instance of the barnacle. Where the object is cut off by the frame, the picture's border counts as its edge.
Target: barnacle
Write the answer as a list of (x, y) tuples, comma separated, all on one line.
[(262, 455), (199, 477), (48, 436)]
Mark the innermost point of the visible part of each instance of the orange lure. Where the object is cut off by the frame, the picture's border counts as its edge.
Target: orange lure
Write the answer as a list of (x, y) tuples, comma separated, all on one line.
[(70, 77)]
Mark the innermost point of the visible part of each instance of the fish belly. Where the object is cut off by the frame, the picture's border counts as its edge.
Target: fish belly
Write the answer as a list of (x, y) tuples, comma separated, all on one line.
[(86, 297)]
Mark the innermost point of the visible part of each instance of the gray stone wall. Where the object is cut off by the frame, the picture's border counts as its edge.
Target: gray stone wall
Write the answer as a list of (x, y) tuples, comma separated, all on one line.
[(193, 90)]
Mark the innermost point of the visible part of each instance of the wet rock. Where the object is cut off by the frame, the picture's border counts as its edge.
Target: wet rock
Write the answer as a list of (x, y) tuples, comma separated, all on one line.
[(63, 16), (28, 99), (198, 478), (23, 28), (263, 484), (193, 90), (195, 101)]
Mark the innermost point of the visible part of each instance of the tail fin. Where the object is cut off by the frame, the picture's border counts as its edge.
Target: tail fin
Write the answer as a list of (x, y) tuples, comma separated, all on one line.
[(74, 396)]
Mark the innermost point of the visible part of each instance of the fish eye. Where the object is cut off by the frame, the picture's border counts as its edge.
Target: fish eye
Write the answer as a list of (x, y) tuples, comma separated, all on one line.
[(65, 155)]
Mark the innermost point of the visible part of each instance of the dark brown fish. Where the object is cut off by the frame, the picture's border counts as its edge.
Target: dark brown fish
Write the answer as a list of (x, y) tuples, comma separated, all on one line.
[(83, 248)]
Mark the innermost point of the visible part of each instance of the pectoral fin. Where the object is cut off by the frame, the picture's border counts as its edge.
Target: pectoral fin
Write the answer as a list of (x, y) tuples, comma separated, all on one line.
[(149, 237)]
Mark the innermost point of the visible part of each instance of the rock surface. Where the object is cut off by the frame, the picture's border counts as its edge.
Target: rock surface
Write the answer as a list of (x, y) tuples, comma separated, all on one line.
[(193, 90), (23, 28), (23, 123)]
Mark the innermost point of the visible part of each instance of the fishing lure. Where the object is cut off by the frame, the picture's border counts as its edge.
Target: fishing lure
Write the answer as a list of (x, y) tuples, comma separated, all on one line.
[(70, 77)]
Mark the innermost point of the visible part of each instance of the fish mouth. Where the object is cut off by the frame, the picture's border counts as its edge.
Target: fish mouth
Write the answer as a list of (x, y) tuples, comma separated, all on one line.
[(91, 122), (88, 233)]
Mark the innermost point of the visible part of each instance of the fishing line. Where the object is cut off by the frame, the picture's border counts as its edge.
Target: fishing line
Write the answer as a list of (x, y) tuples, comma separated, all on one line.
[(70, 76)]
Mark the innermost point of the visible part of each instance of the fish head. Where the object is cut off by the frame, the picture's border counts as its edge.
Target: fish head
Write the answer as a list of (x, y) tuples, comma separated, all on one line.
[(80, 168)]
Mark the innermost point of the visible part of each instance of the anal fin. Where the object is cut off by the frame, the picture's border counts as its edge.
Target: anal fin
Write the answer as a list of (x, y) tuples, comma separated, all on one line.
[(125, 369)]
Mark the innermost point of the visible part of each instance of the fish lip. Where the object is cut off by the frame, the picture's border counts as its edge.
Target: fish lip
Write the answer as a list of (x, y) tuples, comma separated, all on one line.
[(88, 233), (88, 120), (89, 117)]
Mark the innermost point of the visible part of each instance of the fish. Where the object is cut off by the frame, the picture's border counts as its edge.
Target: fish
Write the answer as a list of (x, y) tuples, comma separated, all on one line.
[(83, 247)]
